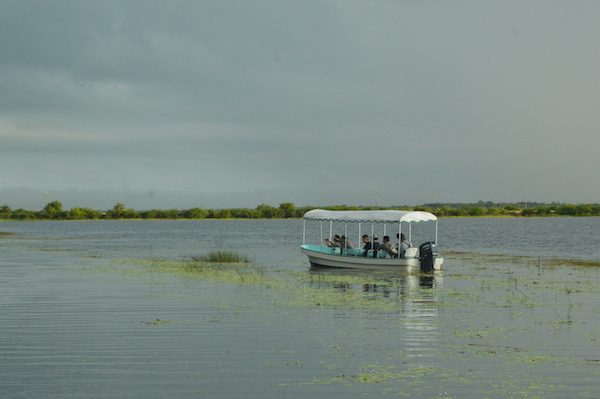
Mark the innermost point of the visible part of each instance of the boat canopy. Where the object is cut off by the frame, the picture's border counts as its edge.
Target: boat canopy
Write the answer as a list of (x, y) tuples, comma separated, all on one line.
[(383, 216)]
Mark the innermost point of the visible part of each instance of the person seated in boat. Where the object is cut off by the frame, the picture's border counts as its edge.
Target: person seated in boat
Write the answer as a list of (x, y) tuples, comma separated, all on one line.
[(376, 243), (368, 245), (345, 243), (333, 244), (388, 247), (403, 245)]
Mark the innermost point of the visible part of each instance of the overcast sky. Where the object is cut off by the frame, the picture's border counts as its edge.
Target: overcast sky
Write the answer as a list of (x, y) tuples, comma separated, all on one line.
[(177, 104)]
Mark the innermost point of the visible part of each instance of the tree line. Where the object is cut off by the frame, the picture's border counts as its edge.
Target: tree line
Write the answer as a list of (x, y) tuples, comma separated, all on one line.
[(54, 211)]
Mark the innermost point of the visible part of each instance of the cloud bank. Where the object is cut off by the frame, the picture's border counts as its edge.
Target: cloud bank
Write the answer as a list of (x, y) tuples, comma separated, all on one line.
[(312, 102)]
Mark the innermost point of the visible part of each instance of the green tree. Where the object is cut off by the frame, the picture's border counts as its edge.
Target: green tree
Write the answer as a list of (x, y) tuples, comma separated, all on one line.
[(224, 214), (476, 211), (5, 212), (211, 214), (288, 210), (53, 210), (76, 214), (583, 210), (493, 211), (423, 208), (22, 214), (195, 213), (267, 212), (569, 210), (119, 211), (244, 213)]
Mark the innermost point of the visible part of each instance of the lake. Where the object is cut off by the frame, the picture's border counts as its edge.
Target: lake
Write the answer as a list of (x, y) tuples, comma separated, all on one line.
[(105, 309)]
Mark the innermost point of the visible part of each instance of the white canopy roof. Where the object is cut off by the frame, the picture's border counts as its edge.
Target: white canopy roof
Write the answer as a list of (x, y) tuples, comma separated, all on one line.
[(385, 216)]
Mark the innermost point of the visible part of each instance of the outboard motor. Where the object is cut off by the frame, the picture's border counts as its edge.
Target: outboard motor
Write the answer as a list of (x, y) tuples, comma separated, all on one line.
[(428, 252)]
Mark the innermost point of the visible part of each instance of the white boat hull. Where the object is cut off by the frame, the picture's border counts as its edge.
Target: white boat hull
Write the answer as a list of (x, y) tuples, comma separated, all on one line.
[(324, 257)]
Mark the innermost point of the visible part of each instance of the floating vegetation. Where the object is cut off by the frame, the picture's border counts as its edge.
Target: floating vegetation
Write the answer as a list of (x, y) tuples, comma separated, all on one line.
[(160, 322), (5, 234), (538, 261), (191, 267), (220, 257), (574, 262)]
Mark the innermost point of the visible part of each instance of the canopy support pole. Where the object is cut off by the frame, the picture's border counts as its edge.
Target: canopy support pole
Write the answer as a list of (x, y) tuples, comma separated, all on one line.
[(321, 225), (304, 232)]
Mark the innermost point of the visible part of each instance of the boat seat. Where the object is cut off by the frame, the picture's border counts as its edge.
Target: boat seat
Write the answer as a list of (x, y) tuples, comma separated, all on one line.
[(411, 252), (349, 252)]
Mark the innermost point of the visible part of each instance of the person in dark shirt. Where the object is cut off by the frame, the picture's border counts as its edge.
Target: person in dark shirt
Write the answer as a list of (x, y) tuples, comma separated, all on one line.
[(376, 243), (368, 244)]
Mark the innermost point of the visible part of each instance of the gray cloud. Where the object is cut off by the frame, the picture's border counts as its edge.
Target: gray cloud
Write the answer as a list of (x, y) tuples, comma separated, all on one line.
[(312, 102)]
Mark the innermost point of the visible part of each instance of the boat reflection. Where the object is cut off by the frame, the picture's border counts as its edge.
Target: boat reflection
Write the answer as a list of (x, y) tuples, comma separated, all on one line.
[(404, 305), (387, 283)]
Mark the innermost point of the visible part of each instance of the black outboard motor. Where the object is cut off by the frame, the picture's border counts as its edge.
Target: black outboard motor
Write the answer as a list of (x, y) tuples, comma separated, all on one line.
[(427, 253)]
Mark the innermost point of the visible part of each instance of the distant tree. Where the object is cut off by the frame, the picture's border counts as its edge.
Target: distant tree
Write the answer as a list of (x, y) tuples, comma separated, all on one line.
[(476, 211), (171, 214), (568, 210), (493, 211), (5, 212), (267, 212), (22, 214), (195, 213), (211, 214), (244, 213), (151, 214), (119, 211), (288, 210), (342, 208), (583, 210), (224, 214), (76, 214), (422, 208), (53, 210), (529, 212)]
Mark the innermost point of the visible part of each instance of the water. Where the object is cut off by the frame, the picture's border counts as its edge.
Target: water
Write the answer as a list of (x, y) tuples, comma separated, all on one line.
[(500, 321)]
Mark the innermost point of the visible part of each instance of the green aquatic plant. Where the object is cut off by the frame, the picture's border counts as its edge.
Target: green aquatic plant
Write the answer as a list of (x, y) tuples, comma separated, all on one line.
[(220, 257), (574, 262), (160, 322)]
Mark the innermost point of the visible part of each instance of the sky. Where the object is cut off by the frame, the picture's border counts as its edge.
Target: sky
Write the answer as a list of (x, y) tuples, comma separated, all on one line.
[(165, 104)]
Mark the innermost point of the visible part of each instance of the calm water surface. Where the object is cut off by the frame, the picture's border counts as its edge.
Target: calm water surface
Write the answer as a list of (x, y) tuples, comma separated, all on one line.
[(500, 321)]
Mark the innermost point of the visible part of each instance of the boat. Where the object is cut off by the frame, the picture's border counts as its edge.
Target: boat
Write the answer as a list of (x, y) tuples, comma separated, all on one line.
[(424, 258)]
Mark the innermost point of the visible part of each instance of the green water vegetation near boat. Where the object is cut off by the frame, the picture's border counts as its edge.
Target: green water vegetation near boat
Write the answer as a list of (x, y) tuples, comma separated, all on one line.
[(54, 211), (215, 266), (220, 257)]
